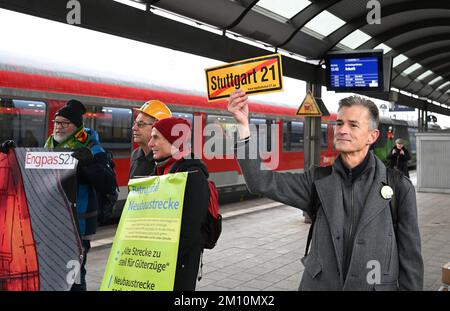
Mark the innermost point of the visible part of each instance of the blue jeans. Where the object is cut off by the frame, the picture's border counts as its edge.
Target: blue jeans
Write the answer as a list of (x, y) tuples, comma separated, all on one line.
[(82, 281)]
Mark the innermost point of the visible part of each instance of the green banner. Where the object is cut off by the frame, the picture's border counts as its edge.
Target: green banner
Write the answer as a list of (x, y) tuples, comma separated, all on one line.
[(144, 253)]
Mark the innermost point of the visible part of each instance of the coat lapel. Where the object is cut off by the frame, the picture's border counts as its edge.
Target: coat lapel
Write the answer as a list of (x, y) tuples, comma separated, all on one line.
[(375, 203), (330, 195)]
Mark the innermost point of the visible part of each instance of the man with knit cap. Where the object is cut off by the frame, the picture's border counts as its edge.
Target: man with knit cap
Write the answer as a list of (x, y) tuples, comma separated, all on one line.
[(169, 145), (141, 163), (93, 172)]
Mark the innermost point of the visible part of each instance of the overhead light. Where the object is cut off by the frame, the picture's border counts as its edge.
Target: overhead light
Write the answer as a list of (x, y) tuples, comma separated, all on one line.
[(424, 75), (435, 80), (443, 85), (412, 68)]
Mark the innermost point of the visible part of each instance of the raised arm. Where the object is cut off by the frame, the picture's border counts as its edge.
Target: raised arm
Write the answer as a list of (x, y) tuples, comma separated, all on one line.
[(289, 188)]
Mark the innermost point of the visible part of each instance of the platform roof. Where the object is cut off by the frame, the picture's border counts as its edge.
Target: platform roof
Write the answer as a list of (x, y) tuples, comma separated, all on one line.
[(415, 33)]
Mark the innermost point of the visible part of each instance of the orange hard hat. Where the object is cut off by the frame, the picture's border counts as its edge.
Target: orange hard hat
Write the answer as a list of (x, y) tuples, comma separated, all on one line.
[(156, 109)]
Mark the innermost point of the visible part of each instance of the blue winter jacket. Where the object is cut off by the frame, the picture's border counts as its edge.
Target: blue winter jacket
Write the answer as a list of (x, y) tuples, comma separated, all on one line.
[(92, 178)]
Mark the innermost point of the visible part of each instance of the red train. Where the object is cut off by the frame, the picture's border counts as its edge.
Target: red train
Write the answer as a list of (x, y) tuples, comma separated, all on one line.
[(29, 101)]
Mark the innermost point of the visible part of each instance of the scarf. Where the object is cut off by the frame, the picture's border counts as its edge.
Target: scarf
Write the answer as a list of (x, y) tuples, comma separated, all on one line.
[(164, 166), (79, 138)]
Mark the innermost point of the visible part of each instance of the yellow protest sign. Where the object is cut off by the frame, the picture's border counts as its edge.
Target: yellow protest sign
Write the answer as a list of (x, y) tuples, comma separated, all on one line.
[(145, 249), (256, 75), (309, 107)]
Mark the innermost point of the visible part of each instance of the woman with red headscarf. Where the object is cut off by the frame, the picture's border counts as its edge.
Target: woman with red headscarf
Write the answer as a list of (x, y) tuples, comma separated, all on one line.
[(169, 144)]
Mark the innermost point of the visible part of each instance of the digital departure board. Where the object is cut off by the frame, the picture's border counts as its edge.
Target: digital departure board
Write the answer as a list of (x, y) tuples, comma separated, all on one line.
[(356, 71)]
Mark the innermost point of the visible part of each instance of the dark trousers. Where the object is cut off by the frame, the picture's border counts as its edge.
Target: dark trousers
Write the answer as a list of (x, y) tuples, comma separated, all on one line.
[(80, 283), (187, 271)]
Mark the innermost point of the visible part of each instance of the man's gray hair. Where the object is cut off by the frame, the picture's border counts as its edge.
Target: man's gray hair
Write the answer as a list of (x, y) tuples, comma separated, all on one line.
[(355, 100)]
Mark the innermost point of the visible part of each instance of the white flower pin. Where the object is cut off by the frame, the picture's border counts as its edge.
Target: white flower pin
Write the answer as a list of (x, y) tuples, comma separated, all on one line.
[(387, 192)]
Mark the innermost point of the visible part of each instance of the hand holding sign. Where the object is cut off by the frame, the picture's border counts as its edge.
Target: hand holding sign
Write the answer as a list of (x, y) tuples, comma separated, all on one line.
[(238, 106), (6, 145), (83, 155)]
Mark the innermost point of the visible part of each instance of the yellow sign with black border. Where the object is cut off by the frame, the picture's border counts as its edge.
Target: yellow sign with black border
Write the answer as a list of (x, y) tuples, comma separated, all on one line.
[(309, 107), (253, 76)]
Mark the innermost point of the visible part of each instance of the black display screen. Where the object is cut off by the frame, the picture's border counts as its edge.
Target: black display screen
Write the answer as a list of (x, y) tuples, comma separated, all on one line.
[(359, 71)]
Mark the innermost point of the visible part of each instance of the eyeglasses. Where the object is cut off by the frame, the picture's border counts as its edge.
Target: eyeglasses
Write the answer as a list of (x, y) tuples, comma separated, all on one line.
[(64, 124), (141, 124)]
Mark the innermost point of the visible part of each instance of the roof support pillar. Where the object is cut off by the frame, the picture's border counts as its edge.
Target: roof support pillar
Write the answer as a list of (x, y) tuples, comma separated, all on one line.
[(312, 129)]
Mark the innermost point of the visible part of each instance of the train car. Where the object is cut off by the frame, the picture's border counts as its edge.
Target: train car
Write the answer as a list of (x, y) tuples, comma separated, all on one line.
[(30, 97)]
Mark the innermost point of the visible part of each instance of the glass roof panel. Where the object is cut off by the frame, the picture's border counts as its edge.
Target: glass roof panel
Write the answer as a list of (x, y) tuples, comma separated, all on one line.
[(435, 80), (135, 4), (325, 23), (399, 59), (424, 75), (384, 47), (443, 85), (411, 68), (355, 39), (285, 8)]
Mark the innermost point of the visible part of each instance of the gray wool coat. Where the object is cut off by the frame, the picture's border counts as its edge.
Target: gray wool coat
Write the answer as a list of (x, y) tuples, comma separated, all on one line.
[(379, 257)]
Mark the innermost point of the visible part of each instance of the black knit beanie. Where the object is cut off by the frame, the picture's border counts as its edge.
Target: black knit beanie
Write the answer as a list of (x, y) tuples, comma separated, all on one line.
[(73, 111)]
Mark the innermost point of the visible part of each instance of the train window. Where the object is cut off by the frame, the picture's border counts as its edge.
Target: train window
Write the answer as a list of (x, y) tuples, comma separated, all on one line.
[(264, 133), (23, 121), (190, 118), (113, 126), (293, 134), (286, 135), (220, 135)]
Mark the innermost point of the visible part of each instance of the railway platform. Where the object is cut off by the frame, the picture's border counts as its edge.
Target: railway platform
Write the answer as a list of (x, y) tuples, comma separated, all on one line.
[(262, 243)]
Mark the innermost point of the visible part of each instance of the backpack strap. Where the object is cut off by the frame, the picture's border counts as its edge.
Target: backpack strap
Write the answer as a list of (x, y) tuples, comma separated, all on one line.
[(394, 178), (319, 173)]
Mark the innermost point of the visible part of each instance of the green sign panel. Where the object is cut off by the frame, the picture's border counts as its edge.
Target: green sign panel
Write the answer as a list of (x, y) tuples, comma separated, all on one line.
[(144, 253)]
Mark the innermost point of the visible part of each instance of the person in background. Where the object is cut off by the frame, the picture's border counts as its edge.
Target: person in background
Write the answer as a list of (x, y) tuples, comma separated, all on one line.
[(399, 156), (171, 157), (93, 173), (142, 163)]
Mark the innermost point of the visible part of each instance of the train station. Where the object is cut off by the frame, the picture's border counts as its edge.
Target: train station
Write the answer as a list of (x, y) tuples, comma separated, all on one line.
[(224, 145)]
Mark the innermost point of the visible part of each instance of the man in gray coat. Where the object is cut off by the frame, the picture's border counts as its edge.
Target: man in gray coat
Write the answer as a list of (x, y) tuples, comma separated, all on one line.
[(354, 243)]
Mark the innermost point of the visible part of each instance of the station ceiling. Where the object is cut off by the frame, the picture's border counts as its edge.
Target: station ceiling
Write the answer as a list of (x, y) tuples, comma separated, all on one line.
[(415, 33)]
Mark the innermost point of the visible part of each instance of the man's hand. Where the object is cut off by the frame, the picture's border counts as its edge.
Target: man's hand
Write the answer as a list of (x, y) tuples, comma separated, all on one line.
[(402, 152), (238, 106), (6, 145), (83, 155)]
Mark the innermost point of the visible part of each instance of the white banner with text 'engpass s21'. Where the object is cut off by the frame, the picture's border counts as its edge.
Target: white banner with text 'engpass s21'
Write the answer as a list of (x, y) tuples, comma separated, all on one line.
[(50, 160)]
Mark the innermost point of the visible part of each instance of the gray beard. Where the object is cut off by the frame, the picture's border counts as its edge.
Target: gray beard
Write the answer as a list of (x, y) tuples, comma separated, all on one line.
[(58, 138)]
